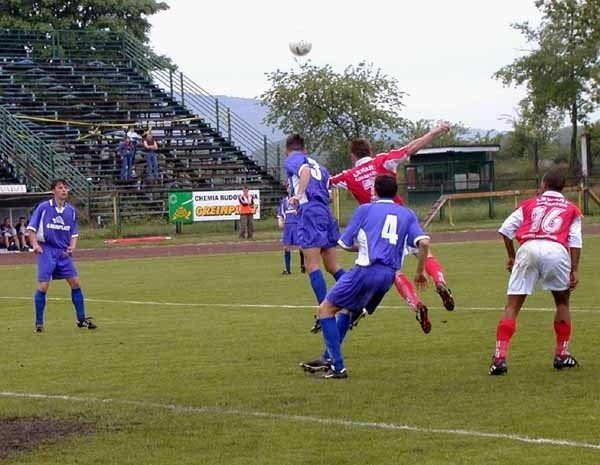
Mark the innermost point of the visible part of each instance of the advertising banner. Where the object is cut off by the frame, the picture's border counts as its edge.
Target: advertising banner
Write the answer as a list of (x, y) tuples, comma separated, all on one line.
[(188, 207)]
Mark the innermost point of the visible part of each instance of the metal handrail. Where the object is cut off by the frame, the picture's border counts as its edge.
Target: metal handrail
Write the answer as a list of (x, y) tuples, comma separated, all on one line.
[(190, 95), (34, 160)]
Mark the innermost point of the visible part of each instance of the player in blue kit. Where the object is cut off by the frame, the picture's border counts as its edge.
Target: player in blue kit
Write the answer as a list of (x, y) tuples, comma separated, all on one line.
[(379, 232), (53, 234), (287, 218), (318, 231)]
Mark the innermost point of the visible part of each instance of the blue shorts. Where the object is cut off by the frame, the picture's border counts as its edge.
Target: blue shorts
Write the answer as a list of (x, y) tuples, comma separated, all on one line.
[(362, 287), (290, 234), (55, 264), (317, 227)]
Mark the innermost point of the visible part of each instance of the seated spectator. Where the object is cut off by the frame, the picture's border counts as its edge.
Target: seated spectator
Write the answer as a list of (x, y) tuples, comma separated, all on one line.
[(22, 236), (9, 234)]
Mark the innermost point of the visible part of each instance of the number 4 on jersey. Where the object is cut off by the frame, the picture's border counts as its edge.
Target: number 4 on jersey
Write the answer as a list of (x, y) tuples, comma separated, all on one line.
[(390, 229)]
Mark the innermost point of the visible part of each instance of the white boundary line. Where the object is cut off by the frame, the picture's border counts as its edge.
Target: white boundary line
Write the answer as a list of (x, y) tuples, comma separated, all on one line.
[(200, 304), (304, 419)]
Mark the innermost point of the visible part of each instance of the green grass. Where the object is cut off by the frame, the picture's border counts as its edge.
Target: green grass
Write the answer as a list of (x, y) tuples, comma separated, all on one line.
[(235, 361)]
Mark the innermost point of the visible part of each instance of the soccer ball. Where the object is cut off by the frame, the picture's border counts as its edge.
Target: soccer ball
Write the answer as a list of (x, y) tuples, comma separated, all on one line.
[(300, 48)]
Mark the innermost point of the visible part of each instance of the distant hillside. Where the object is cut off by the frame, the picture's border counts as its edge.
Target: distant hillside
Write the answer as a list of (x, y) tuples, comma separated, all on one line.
[(253, 112)]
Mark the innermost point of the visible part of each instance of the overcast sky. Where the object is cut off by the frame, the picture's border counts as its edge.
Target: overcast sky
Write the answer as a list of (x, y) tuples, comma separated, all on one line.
[(443, 53)]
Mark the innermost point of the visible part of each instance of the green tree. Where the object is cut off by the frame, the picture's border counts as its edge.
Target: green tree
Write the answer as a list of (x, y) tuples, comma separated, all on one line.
[(330, 109), (561, 73), (111, 15)]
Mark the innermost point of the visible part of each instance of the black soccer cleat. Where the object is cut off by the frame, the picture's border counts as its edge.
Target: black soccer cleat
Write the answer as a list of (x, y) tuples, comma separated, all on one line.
[(87, 323), (356, 317), (423, 318), (284, 272), (39, 329), (498, 367), (316, 327), (302, 269), (313, 366), (332, 373), (567, 361), (446, 296)]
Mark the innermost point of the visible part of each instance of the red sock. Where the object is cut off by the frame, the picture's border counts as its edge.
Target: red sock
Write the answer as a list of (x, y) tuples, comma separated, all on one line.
[(407, 290), (435, 270), (563, 334), (504, 331)]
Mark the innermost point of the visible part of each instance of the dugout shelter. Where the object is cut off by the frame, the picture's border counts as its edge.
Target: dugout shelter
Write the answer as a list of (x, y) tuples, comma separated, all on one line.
[(446, 170)]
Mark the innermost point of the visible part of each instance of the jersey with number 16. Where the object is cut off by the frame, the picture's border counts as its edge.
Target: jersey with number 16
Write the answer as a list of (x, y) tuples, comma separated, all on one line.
[(382, 229)]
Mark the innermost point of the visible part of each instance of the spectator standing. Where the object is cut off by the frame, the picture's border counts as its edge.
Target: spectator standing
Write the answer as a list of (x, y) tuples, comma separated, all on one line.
[(150, 148), (247, 209), (126, 151)]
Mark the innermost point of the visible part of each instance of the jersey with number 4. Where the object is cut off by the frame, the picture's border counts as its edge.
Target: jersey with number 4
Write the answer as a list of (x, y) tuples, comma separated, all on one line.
[(381, 230), (548, 216)]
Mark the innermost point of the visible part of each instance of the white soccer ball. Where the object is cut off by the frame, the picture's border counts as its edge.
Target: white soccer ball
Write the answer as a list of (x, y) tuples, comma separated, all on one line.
[(300, 48)]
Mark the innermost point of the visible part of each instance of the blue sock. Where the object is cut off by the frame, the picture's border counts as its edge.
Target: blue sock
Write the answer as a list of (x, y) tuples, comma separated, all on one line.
[(338, 274), (342, 321), (287, 258), (40, 305), (319, 286), (77, 299), (332, 341)]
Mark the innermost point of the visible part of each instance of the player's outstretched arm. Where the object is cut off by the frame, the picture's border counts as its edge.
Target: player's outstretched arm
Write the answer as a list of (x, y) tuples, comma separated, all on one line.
[(422, 142)]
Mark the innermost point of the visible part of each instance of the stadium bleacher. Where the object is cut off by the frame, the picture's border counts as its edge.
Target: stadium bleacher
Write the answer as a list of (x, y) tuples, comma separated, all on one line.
[(80, 106)]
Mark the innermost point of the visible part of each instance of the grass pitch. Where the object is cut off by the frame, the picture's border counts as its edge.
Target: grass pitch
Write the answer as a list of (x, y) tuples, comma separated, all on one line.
[(195, 362)]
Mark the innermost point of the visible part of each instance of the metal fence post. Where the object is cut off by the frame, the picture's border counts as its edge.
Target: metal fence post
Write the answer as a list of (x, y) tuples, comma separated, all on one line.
[(229, 124), (278, 162), (265, 151), (217, 114), (181, 89), (171, 82)]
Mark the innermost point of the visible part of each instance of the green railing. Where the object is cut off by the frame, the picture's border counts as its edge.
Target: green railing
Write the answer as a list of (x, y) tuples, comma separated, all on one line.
[(182, 89), (34, 160)]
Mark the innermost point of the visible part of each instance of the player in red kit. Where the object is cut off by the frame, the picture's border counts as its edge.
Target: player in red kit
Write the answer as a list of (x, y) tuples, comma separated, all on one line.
[(548, 229), (359, 181)]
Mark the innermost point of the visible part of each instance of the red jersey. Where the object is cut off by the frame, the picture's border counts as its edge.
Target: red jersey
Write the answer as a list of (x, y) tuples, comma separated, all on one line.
[(548, 216), (360, 179)]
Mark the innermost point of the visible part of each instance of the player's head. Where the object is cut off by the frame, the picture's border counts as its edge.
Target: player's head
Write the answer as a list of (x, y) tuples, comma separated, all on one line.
[(60, 189), (386, 187), (553, 180), (360, 148), (294, 143)]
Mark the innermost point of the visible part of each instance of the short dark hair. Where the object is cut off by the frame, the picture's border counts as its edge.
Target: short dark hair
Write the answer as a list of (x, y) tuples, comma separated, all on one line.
[(386, 186), (360, 148), (56, 182), (294, 142), (554, 180)]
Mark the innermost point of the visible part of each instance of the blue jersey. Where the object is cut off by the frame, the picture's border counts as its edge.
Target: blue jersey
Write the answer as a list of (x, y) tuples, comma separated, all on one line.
[(382, 229), (287, 212), (53, 225), (317, 189)]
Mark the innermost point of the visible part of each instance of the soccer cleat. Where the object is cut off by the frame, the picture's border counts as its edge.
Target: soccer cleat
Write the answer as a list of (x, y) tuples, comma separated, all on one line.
[(312, 366), (332, 373), (284, 272), (39, 329), (423, 318), (567, 361), (498, 367), (87, 323), (316, 326), (446, 296), (356, 317), (302, 269)]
